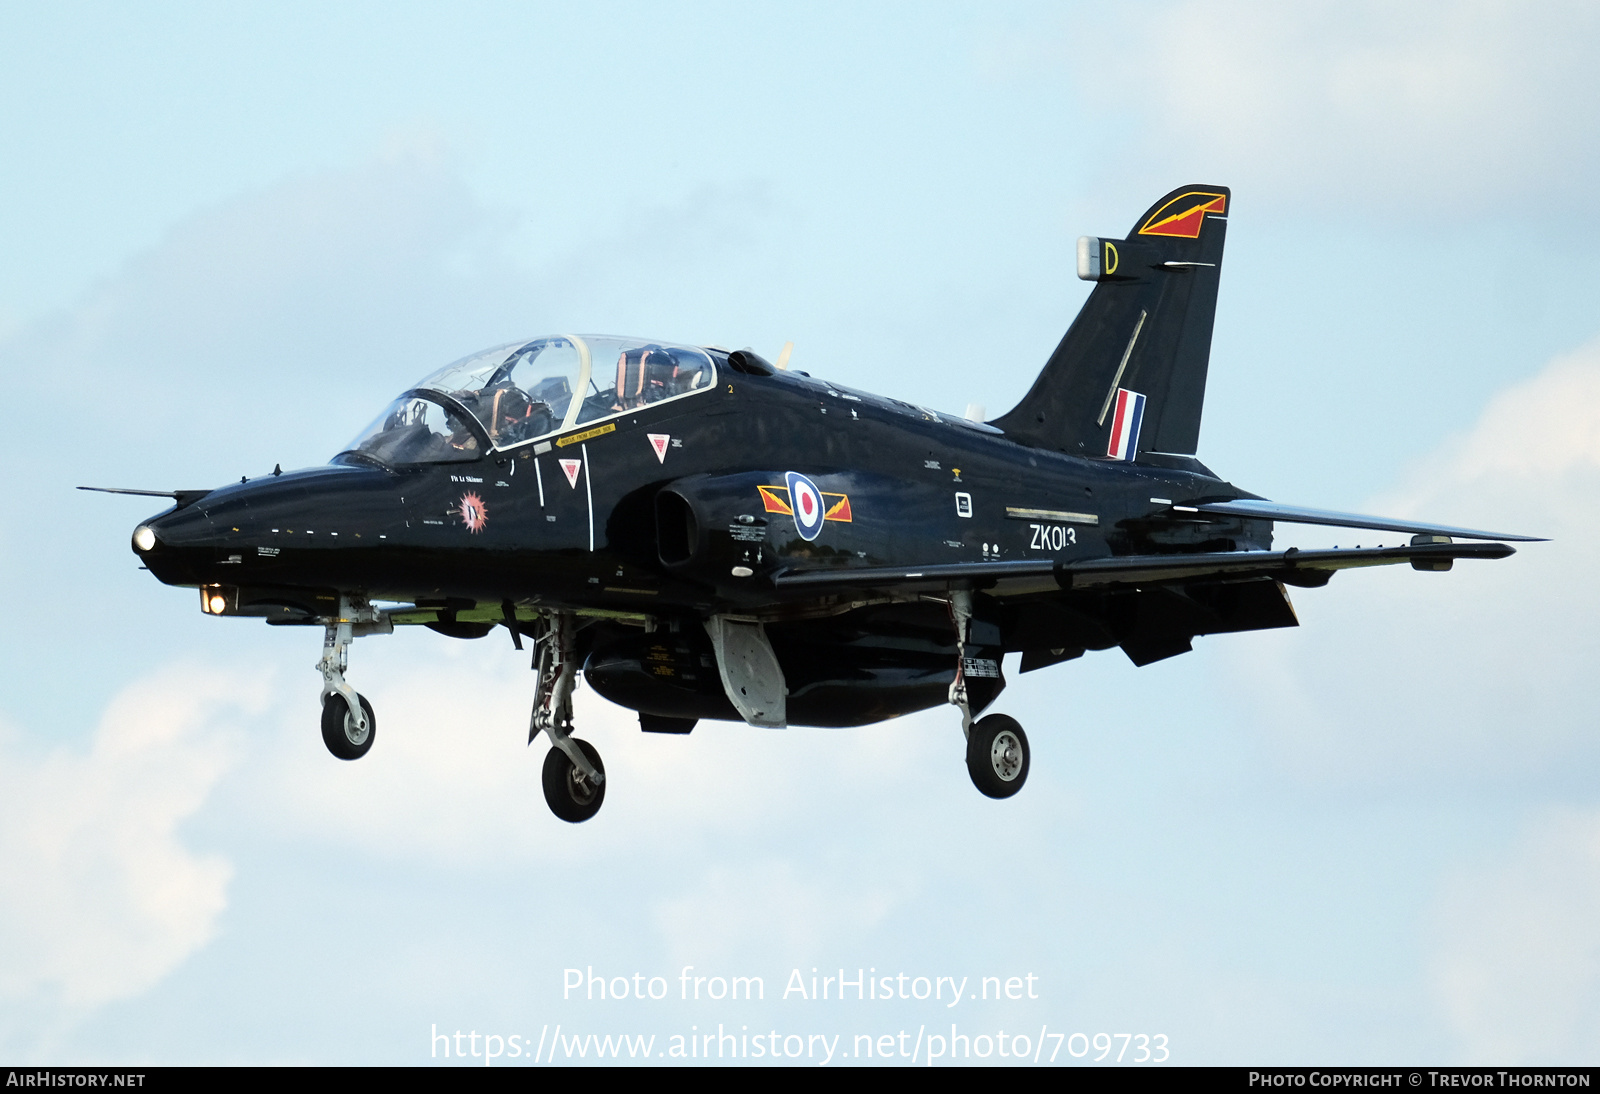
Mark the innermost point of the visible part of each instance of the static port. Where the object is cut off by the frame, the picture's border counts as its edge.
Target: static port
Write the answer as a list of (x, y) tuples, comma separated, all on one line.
[(144, 538)]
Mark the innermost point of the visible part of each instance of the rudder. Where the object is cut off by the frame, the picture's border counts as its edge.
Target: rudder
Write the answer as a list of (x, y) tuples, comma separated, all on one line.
[(1130, 374)]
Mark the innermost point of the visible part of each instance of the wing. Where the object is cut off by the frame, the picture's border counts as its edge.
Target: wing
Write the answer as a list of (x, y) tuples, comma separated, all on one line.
[(1293, 567), (1260, 509), (1150, 605)]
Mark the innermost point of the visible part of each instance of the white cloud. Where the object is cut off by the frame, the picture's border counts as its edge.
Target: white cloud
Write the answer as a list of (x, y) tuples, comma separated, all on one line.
[(1482, 673), (1517, 969), (103, 896), (1439, 109), (1477, 681)]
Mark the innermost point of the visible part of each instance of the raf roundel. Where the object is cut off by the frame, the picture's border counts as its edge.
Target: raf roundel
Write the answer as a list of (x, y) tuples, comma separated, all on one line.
[(806, 500)]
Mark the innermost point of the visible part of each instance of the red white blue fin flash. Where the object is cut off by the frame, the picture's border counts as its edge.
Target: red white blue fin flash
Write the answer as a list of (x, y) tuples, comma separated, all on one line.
[(1125, 426)]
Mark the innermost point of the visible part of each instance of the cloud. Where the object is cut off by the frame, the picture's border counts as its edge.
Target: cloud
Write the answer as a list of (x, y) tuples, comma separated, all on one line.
[(1437, 110), (1517, 966), (279, 315), (1480, 674), (103, 895)]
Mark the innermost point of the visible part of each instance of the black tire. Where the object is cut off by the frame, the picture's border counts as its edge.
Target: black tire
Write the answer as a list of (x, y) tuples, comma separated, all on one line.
[(339, 729), (569, 795), (998, 756)]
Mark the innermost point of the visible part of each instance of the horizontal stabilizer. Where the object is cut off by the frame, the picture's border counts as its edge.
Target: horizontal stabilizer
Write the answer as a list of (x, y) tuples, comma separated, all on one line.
[(1294, 566), (1257, 509)]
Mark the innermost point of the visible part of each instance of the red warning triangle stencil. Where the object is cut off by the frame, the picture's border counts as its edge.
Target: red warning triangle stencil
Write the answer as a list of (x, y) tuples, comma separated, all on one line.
[(572, 467), (659, 441)]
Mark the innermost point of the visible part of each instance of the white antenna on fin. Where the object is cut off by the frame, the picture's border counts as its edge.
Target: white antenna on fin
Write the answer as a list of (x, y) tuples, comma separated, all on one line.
[(783, 355)]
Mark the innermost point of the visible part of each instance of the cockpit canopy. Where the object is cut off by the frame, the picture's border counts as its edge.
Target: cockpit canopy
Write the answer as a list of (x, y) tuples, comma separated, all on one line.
[(517, 393)]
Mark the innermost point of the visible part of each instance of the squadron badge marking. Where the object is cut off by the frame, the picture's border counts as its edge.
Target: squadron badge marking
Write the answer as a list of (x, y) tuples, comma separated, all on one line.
[(473, 512)]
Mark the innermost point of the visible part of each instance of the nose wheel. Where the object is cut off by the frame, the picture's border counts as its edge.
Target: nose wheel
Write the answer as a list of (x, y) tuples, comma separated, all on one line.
[(997, 756), (348, 724)]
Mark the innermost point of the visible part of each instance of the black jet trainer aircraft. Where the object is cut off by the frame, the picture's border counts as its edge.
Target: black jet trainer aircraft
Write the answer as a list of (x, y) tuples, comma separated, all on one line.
[(709, 535)]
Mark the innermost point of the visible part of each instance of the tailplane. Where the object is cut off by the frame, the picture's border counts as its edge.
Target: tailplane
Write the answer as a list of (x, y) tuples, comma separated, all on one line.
[(1130, 374)]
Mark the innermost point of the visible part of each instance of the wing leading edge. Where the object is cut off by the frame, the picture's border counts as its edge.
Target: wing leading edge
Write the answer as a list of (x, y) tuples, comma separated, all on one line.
[(1293, 567), (1260, 509)]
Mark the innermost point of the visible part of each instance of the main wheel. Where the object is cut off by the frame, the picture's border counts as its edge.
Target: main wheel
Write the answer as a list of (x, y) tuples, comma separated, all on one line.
[(344, 738), (570, 796), (997, 756)]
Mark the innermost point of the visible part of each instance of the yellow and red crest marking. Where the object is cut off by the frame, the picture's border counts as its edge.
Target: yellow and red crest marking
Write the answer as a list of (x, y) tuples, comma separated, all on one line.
[(1184, 215), (473, 512), (775, 499)]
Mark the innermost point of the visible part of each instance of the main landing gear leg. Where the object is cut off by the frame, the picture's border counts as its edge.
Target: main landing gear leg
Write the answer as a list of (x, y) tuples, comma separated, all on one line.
[(574, 778), (961, 616), (348, 724), (997, 749)]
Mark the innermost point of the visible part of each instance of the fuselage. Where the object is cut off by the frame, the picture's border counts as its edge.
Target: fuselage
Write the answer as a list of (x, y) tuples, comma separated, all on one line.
[(574, 520), (645, 520)]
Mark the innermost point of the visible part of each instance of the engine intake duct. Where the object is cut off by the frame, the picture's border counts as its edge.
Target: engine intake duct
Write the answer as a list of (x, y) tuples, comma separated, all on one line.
[(677, 529)]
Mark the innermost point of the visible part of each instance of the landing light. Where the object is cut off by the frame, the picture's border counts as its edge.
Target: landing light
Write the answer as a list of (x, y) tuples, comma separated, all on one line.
[(214, 599), (144, 538)]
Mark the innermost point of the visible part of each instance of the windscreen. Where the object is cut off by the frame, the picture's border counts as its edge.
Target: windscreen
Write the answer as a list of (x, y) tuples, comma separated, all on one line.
[(415, 429)]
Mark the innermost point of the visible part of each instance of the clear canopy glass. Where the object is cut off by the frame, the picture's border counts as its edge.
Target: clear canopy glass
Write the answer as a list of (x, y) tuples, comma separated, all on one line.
[(522, 391)]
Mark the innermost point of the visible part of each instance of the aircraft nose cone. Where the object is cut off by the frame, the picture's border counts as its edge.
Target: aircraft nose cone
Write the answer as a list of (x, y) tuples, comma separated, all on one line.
[(176, 529), (176, 546)]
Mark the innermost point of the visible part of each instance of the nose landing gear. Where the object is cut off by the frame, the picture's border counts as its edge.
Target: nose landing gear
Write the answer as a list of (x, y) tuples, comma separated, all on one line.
[(348, 724)]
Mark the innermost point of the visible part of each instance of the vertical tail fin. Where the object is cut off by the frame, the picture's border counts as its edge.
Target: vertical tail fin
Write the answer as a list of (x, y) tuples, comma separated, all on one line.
[(1130, 374)]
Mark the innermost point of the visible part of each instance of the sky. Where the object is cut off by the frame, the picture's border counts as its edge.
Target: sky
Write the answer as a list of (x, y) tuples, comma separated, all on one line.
[(232, 234)]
